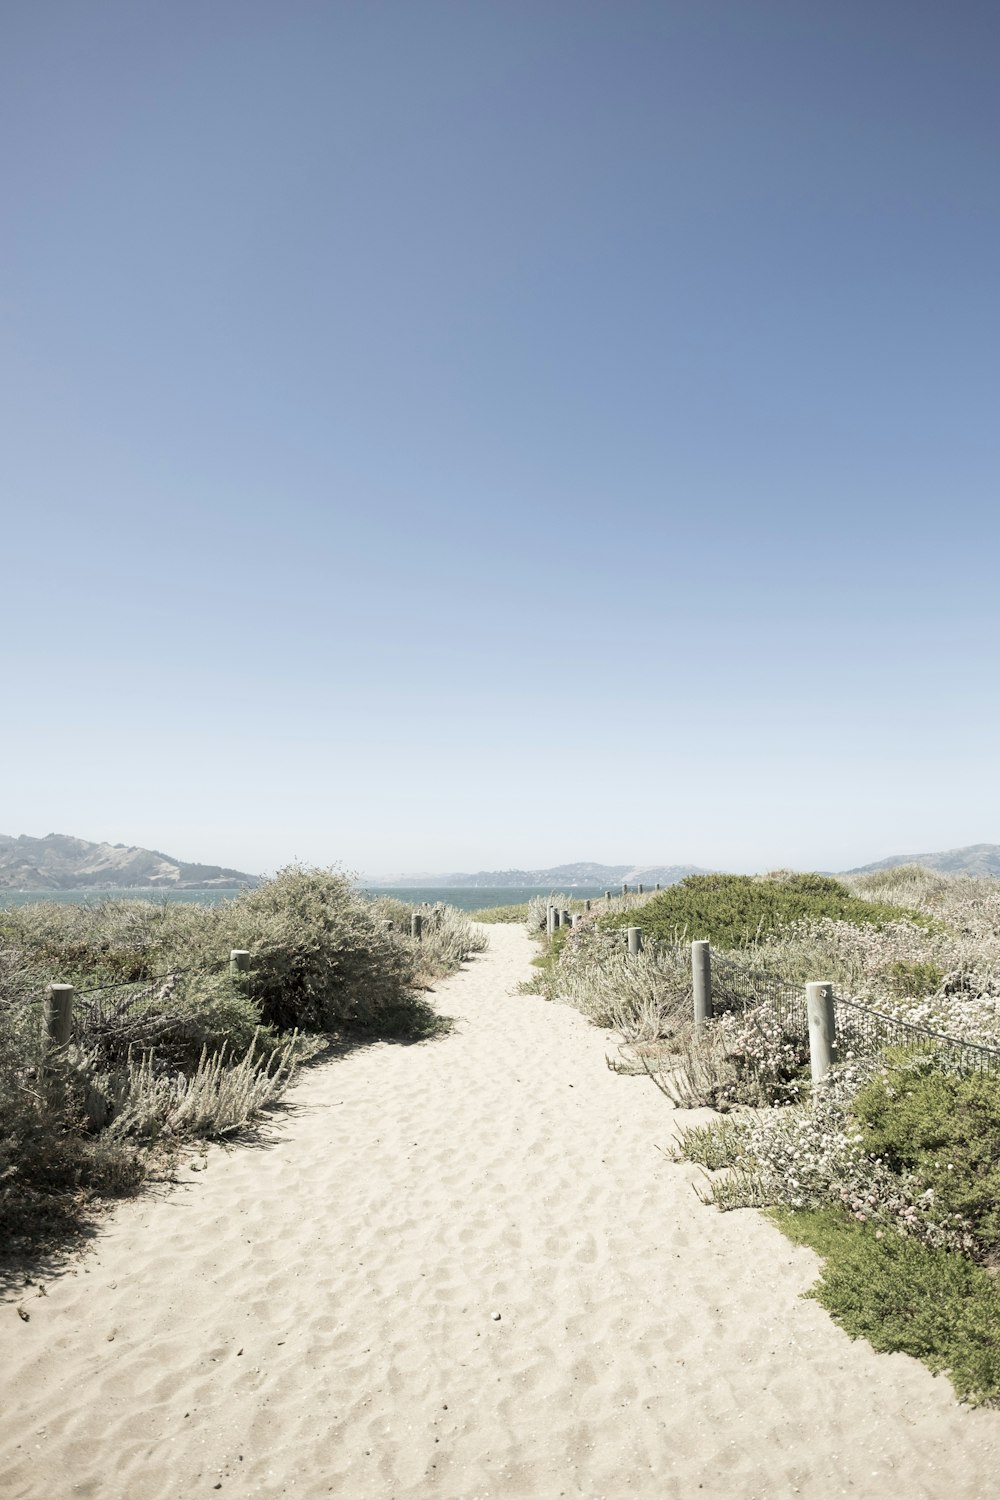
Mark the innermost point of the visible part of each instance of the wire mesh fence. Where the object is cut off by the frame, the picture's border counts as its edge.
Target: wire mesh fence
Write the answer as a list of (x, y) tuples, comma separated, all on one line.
[(113, 1019), (106, 1001), (736, 988), (861, 1030)]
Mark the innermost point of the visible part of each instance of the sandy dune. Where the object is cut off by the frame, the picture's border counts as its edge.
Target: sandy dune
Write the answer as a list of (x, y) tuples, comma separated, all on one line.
[(319, 1317)]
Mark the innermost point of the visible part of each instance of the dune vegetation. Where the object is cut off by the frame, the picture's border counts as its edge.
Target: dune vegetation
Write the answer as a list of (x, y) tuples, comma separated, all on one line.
[(888, 1168), (170, 1042)]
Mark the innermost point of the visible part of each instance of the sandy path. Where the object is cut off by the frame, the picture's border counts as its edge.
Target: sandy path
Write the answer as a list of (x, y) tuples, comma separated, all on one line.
[(317, 1317)]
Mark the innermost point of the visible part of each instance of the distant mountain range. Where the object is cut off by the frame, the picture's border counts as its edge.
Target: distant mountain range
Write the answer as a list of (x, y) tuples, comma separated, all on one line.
[(974, 859), (60, 863), (558, 877)]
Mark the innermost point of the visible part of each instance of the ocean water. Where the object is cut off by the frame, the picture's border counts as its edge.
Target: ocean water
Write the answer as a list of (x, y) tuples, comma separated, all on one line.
[(92, 895), (475, 897), (466, 898)]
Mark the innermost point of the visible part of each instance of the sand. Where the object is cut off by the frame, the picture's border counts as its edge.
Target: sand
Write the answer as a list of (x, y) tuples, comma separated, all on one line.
[(461, 1269)]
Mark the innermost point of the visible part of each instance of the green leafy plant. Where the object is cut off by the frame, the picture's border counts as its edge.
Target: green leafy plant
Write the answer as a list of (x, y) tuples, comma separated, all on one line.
[(736, 911), (904, 1296), (944, 1127), (911, 978)]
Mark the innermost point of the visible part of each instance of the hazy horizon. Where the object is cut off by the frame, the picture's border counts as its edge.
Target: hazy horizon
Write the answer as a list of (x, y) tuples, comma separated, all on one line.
[(430, 429), (387, 875)]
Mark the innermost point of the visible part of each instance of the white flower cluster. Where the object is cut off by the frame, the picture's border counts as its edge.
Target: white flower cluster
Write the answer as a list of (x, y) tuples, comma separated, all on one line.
[(769, 1060), (814, 1154)]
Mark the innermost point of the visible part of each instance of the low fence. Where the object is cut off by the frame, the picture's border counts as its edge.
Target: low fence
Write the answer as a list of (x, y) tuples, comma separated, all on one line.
[(65, 1005), (835, 1026)]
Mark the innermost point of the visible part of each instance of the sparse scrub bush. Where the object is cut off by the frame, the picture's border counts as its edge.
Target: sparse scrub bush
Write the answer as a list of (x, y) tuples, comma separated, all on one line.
[(517, 913), (219, 1097), (449, 938), (644, 997), (768, 1055), (721, 1143), (448, 935), (538, 907)]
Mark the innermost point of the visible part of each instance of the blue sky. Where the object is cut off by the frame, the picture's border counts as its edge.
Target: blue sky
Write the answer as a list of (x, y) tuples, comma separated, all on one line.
[(459, 435)]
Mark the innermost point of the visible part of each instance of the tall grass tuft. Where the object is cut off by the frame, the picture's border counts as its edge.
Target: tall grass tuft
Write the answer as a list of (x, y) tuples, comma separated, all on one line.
[(220, 1097)]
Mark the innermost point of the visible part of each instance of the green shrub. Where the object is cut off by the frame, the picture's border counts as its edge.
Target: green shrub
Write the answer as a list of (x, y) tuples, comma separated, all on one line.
[(205, 1013), (945, 1127), (320, 958), (114, 942), (501, 914), (720, 1143), (911, 979), (735, 911), (905, 1296)]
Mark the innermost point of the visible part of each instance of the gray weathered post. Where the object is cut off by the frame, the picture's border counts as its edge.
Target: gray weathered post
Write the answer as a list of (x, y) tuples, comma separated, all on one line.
[(635, 940), (556, 918), (59, 1014), (607, 895), (641, 888), (624, 888), (701, 980), (566, 919), (550, 920), (416, 925), (239, 961), (656, 887), (822, 1029)]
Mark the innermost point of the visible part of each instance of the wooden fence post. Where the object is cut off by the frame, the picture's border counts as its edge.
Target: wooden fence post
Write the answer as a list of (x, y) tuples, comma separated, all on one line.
[(635, 940), (550, 920), (586, 905), (239, 961), (641, 888), (417, 926), (701, 980), (607, 895), (567, 921), (822, 1029), (59, 1014), (624, 888)]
